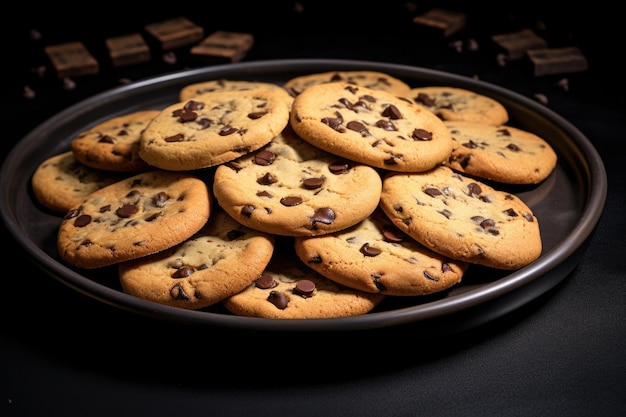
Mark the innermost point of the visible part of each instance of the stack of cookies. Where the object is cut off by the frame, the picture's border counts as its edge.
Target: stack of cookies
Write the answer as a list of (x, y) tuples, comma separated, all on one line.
[(318, 198)]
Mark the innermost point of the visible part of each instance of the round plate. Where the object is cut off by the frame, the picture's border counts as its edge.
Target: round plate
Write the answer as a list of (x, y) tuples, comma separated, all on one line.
[(568, 204)]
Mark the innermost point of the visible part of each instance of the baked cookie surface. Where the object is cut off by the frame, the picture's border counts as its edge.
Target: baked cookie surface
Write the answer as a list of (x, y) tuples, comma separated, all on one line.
[(113, 145), (451, 103), (134, 217), (371, 79), (220, 260), (288, 289), (462, 218), (292, 188), (61, 182), (193, 90), (500, 153), (375, 256), (372, 127), (213, 128)]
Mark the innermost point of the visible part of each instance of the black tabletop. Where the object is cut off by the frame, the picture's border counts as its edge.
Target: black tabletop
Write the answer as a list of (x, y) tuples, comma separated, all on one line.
[(563, 353)]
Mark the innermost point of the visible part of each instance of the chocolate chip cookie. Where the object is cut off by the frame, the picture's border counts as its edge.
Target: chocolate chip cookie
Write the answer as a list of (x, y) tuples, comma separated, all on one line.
[(134, 217), (213, 128), (220, 260), (292, 188), (372, 127), (462, 218)]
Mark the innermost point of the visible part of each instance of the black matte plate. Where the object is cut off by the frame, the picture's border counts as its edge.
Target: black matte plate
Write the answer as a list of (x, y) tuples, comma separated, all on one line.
[(568, 205)]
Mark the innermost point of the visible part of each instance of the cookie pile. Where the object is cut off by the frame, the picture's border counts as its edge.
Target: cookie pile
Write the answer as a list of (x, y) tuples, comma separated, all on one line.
[(313, 199)]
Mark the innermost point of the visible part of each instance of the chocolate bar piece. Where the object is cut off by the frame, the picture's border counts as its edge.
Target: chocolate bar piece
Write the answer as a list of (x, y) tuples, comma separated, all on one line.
[(72, 59), (517, 43), (224, 46), (550, 61), (447, 22), (176, 32), (128, 49)]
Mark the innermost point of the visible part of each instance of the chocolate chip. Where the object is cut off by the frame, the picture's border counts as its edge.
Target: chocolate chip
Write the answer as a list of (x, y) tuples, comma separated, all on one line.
[(204, 122), (354, 107), (160, 198), (82, 220), (227, 130), (333, 122), (510, 212), (264, 194), (324, 215), (386, 125), (392, 234), (471, 144), (278, 299), (487, 223), (175, 138), (178, 293), (127, 210), (368, 250), (234, 166), (513, 147), (474, 189), (392, 160), (265, 282), (357, 127), (430, 277), (290, 201), (257, 115), (183, 272), (447, 213), (433, 192), (264, 158), (153, 217), (241, 149), (72, 213), (193, 105), (247, 210), (305, 287), (315, 259), (339, 167), (106, 139), (312, 183), (421, 134), (267, 179), (105, 208), (185, 115), (392, 112), (425, 99), (376, 278)]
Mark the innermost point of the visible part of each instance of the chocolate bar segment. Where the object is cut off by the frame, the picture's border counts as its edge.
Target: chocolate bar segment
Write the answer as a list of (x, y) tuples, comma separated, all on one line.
[(446, 22), (176, 32), (515, 44), (224, 46), (128, 49), (72, 59), (550, 61)]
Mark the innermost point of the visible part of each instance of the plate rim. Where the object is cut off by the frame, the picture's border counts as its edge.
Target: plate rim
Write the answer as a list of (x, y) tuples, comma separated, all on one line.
[(561, 255)]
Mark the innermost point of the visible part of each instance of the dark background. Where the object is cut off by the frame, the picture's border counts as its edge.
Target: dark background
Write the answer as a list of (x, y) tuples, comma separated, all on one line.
[(62, 353)]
